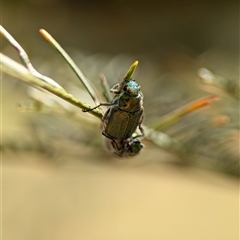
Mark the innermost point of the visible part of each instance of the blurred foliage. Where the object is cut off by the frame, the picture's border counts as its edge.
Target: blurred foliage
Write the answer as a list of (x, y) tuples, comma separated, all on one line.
[(171, 42), (210, 136)]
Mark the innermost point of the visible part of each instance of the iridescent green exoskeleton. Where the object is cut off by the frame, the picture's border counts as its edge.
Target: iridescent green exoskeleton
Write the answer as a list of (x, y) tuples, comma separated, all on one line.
[(124, 116)]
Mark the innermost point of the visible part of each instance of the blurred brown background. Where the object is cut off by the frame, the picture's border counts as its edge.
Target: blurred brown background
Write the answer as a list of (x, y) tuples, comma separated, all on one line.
[(62, 191)]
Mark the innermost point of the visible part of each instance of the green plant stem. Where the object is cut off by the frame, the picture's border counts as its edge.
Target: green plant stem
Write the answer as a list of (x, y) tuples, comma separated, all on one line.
[(71, 63), (15, 69)]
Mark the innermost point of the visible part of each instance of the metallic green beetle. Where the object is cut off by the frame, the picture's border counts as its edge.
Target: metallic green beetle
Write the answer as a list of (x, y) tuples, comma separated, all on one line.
[(124, 115)]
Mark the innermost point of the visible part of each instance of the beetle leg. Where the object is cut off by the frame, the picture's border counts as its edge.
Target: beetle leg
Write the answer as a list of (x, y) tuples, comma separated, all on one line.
[(113, 140), (116, 89), (124, 150), (141, 130), (101, 104), (139, 135)]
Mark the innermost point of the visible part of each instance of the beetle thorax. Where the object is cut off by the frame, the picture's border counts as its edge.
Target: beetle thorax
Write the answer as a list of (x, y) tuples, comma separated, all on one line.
[(130, 104)]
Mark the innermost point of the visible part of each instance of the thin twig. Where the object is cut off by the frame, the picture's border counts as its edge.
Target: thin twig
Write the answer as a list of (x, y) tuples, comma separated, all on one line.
[(177, 114), (71, 63), (31, 76), (25, 59), (15, 69), (230, 86), (106, 88)]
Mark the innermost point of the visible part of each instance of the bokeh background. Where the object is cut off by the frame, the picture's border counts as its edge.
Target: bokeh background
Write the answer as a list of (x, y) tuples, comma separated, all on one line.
[(57, 180)]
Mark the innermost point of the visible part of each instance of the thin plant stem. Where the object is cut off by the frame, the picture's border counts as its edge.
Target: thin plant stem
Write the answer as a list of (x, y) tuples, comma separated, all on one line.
[(106, 88), (92, 92), (25, 59), (175, 115), (230, 86), (32, 77)]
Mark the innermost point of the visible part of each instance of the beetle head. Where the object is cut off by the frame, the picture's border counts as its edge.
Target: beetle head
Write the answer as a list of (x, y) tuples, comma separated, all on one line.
[(131, 88)]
